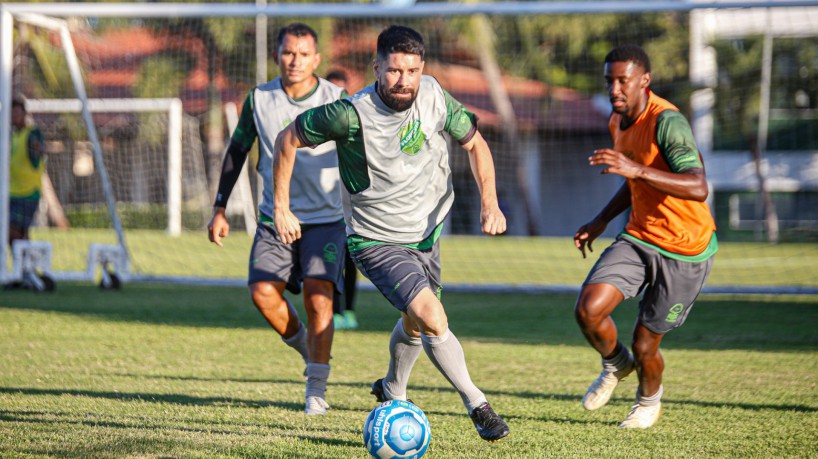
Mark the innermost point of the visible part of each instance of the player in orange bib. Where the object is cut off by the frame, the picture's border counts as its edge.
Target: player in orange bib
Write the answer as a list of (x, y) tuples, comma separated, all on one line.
[(666, 250)]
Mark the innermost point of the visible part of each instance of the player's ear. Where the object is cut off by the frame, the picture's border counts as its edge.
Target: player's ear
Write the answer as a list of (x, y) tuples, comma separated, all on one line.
[(317, 59), (275, 56), (645, 80)]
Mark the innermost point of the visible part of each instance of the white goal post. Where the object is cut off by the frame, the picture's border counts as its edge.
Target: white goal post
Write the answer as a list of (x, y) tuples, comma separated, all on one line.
[(173, 108), (5, 120)]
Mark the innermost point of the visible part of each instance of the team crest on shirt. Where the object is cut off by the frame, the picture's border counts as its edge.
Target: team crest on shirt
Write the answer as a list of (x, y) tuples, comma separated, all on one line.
[(411, 138)]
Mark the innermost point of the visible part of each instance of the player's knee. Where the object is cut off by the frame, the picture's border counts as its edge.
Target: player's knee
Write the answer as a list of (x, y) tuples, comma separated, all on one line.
[(431, 321), (594, 305), (319, 291), (587, 316), (264, 294), (645, 349), (319, 309), (436, 327)]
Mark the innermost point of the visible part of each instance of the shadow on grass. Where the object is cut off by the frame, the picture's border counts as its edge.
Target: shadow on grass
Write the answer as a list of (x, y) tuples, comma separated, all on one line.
[(174, 399), (131, 423), (761, 323), (532, 397), (364, 387)]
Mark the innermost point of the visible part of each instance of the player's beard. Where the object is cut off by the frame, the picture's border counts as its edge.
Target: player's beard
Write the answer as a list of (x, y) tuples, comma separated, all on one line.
[(395, 103)]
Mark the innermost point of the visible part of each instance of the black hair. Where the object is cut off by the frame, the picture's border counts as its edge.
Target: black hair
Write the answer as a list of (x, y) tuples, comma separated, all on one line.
[(400, 39), (296, 29), (336, 75), (18, 101), (629, 53)]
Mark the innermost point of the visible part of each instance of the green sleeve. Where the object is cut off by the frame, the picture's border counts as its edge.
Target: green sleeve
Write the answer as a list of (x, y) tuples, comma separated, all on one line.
[(36, 147), (336, 121), (675, 140), (246, 133), (461, 124)]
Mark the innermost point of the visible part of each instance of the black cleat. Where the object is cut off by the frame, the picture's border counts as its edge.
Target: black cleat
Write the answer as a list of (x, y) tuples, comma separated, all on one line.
[(489, 424), (378, 392), (13, 286)]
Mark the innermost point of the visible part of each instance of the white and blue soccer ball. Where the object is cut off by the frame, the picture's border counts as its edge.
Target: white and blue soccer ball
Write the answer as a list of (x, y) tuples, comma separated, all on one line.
[(397, 429)]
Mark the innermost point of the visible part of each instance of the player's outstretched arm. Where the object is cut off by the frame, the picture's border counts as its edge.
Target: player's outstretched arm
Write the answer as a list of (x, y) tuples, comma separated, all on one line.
[(482, 166), (234, 158), (587, 233), (286, 144)]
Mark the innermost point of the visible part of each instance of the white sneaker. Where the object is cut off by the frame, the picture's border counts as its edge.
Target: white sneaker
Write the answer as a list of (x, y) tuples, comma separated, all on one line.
[(316, 406), (602, 388), (642, 417)]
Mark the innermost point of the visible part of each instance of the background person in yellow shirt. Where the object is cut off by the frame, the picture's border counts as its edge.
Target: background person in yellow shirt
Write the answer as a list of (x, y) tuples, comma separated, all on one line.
[(26, 169)]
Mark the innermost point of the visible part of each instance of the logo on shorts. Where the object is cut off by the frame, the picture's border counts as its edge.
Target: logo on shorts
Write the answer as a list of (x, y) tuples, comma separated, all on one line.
[(411, 138), (331, 253), (395, 288), (677, 309)]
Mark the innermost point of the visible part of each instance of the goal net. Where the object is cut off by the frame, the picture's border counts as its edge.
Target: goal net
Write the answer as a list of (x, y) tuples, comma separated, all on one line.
[(532, 72)]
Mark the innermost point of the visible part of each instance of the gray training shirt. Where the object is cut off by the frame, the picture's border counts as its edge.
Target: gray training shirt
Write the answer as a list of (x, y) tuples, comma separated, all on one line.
[(395, 165), (315, 190)]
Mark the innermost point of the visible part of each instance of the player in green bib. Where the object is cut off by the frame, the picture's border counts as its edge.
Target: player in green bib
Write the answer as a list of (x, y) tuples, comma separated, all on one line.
[(316, 262), (26, 169), (393, 158)]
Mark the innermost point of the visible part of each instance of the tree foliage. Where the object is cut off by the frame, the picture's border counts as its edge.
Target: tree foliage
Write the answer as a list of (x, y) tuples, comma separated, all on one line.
[(793, 93)]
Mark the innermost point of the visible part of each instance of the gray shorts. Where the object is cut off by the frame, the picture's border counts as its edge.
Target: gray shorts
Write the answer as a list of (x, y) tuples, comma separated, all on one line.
[(319, 254), (21, 212), (399, 272), (670, 286)]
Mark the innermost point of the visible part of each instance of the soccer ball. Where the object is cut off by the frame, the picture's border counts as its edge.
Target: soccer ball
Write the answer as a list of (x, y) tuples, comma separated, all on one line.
[(397, 429)]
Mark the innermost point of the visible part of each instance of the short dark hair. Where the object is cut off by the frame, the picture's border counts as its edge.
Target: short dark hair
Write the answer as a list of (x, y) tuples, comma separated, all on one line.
[(629, 53), (18, 101), (400, 39), (295, 29), (337, 75)]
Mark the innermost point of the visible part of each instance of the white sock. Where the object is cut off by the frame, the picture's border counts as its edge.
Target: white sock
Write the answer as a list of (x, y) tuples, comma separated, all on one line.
[(618, 362), (649, 401), (447, 354), (298, 341), (317, 375), (403, 352)]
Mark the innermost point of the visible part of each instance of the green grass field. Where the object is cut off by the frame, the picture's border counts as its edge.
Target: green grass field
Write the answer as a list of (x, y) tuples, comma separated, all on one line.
[(173, 371), (471, 260)]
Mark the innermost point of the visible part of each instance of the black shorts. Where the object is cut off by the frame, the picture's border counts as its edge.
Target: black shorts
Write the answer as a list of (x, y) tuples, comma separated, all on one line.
[(21, 211), (318, 254), (670, 286), (399, 272)]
